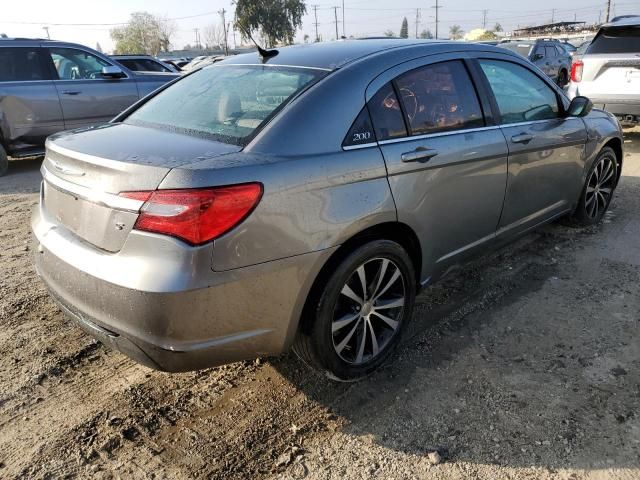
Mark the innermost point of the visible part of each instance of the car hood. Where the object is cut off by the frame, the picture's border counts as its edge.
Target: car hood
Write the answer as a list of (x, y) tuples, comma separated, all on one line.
[(141, 145)]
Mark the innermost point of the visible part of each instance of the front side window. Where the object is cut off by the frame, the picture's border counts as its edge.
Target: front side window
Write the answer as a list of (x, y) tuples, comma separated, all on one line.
[(225, 103), (386, 114), (521, 95), (21, 64), (439, 97), (73, 64)]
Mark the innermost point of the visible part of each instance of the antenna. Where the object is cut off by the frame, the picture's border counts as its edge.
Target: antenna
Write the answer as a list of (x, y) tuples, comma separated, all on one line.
[(264, 54)]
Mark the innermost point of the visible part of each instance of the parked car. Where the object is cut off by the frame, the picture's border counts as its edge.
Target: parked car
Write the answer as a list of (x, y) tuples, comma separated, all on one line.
[(48, 86), (609, 71), (217, 220), (144, 63), (548, 55), (569, 47)]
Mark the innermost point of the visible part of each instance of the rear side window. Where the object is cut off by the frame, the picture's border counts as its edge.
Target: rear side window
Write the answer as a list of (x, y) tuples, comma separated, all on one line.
[(550, 51), (521, 95), (616, 40), (21, 64), (361, 132), (386, 114), (439, 97)]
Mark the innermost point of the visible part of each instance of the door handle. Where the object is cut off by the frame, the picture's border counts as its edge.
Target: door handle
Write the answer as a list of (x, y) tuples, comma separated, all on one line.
[(420, 154), (522, 138), (71, 92)]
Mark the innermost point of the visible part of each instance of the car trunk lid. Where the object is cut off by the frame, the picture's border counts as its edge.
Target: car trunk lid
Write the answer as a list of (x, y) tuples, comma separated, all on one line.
[(611, 75), (84, 173)]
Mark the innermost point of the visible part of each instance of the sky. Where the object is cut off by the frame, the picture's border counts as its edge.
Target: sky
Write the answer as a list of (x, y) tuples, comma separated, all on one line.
[(89, 21)]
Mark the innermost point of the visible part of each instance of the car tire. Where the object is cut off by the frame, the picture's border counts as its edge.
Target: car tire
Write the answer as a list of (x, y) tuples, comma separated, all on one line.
[(598, 189), (352, 333), (563, 78), (4, 161)]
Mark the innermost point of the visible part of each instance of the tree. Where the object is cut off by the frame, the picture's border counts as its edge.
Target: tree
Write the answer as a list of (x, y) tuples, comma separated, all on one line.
[(426, 34), (274, 20), (497, 28), (306, 38), (487, 35), (455, 32), (389, 33), (214, 36), (404, 30), (144, 33)]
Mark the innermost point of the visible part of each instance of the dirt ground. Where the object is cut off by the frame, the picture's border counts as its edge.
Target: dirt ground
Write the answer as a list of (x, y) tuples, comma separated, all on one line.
[(524, 364)]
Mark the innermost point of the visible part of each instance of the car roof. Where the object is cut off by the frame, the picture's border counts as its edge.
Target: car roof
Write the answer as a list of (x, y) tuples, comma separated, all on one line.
[(125, 56), (332, 55), (632, 21)]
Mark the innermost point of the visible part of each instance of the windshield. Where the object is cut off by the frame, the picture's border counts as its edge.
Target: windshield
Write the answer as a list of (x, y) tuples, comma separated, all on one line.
[(616, 40), (226, 103), (521, 48)]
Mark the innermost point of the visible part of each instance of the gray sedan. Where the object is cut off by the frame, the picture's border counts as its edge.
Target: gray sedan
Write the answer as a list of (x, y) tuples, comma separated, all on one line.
[(302, 198)]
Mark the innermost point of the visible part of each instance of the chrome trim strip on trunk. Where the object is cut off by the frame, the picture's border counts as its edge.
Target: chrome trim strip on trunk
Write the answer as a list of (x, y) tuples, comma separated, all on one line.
[(100, 198)]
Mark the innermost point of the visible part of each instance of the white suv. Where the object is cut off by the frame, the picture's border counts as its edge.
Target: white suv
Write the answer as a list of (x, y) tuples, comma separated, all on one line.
[(609, 72)]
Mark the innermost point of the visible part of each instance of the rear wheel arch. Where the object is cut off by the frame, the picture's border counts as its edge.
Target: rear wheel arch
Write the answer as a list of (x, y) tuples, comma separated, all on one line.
[(397, 232), (616, 145)]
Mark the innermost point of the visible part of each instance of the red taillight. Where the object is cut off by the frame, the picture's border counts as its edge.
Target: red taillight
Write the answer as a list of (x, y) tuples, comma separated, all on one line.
[(195, 215), (576, 71)]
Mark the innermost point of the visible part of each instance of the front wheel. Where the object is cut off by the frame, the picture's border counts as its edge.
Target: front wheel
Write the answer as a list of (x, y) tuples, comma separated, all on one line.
[(598, 189), (360, 312)]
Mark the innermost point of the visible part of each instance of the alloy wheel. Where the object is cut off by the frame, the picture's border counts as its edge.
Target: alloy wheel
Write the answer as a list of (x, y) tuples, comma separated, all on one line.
[(368, 311), (600, 186)]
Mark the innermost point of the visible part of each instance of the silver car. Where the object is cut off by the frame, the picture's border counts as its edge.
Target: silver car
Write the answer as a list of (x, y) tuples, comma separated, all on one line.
[(303, 197), (609, 70)]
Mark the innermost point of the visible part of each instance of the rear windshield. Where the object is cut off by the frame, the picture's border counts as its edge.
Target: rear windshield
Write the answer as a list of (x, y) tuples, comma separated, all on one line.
[(521, 48), (225, 103), (616, 40)]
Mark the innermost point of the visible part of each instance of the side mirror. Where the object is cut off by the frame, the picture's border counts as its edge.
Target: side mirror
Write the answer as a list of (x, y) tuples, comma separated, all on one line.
[(538, 56), (112, 71), (579, 107)]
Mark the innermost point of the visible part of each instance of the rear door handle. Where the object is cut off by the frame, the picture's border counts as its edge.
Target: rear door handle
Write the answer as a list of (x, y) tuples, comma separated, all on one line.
[(522, 138), (71, 92), (420, 154)]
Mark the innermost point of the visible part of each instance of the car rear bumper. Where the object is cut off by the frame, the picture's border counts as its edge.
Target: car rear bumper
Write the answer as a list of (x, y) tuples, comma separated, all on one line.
[(165, 321)]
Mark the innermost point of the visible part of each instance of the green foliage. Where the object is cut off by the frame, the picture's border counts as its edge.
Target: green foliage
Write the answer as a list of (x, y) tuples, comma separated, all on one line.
[(404, 30), (274, 20), (426, 34), (488, 35), (455, 32), (497, 28), (144, 34)]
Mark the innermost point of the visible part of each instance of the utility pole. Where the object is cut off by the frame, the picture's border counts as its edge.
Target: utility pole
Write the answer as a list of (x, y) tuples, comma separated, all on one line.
[(197, 38), (417, 20), (484, 19), (553, 14), (315, 13), (224, 31), (335, 16), (608, 11), (46, 29), (344, 33), (437, 7)]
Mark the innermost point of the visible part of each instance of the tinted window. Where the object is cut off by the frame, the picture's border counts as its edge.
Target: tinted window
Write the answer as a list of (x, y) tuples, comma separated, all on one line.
[(21, 64), (72, 64), (386, 114), (224, 103), (550, 51), (522, 96), (539, 51), (522, 48), (616, 40), (142, 65), (361, 131), (439, 97)]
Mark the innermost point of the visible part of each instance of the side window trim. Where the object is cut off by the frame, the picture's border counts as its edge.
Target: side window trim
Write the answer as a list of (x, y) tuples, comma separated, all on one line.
[(561, 104)]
